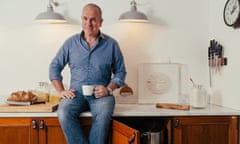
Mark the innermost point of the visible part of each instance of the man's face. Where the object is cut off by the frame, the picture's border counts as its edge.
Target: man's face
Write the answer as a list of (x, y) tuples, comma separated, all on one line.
[(91, 21)]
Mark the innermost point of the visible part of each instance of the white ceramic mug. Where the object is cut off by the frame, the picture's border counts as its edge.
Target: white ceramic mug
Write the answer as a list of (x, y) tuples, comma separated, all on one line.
[(87, 90)]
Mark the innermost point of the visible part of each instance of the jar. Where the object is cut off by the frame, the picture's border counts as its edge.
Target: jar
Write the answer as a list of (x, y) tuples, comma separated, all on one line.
[(42, 91), (53, 97), (198, 97)]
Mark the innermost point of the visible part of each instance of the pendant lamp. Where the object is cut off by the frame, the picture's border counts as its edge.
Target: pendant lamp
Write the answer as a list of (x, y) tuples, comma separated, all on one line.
[(50, 16), (133, 15)]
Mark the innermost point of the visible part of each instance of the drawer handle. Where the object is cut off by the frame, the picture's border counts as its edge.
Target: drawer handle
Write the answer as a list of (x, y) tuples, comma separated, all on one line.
[(34, 124), (176, 123), (41, 124)]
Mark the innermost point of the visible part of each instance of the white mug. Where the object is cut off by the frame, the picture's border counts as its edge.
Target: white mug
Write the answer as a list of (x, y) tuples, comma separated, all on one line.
[(87, 90)]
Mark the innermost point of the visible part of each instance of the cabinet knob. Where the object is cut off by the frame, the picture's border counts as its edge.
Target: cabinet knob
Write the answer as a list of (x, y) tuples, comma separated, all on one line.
[(41, 124), (34, 124)]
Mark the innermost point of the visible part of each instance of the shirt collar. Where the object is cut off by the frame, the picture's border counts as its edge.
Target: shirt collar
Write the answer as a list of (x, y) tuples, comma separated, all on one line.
[(100, 35)]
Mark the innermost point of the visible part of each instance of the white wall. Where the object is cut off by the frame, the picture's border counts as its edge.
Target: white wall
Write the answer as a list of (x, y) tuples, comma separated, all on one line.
[(226, 85), (180, 30)]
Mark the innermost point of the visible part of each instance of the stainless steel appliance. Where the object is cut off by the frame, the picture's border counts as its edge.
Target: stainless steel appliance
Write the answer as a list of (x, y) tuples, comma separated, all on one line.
[(152, 137)]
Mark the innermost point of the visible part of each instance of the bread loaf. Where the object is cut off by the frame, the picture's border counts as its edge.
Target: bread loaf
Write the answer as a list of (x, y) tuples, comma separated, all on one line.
[(22, 96)]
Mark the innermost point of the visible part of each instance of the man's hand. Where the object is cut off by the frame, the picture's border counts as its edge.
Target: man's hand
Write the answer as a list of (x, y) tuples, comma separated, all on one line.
[(69, 94), (100, 91)]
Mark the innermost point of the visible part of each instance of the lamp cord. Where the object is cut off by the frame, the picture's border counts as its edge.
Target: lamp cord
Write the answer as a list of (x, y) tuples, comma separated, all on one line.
[(138, 4)]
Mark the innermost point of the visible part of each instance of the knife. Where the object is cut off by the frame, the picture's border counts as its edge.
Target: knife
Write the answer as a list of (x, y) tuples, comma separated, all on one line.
[(25, 103)]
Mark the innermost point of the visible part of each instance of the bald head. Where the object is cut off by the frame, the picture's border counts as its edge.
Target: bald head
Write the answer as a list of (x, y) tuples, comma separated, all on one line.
[(94, 7)]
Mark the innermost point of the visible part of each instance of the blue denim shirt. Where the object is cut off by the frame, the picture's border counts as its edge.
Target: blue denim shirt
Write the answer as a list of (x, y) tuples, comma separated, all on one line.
[(102, 64)]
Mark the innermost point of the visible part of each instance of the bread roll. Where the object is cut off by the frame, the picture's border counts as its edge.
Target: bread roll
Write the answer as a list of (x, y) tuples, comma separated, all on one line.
[(22, 96)]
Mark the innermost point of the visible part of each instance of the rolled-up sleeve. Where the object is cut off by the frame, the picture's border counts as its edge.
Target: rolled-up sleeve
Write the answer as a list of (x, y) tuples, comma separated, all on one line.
[(58, 63), (119, 70)]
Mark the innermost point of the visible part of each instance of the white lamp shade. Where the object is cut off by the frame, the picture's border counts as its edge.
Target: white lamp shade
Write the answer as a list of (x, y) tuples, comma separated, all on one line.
[(50, 16), (133, 15)]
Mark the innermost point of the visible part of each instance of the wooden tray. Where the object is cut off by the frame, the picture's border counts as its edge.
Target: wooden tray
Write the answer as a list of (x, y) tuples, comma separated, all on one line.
[(48, 107)]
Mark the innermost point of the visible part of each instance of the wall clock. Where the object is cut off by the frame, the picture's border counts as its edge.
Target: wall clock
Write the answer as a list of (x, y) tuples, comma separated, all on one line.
[(231, 13)]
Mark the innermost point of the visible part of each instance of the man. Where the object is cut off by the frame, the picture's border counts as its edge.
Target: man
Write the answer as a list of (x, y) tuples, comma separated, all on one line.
[(94, 59)]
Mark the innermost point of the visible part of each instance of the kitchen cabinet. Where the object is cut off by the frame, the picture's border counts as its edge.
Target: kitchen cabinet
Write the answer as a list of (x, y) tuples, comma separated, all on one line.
[(34, 130), (48, 131), (205, 130), (126, 130)]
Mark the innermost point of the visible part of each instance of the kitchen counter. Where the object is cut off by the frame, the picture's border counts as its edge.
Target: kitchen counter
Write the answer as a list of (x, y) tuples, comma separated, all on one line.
[(127, 110)]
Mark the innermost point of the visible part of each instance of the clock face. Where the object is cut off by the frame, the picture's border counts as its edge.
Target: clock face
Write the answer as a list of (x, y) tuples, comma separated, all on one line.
[(231, 12)]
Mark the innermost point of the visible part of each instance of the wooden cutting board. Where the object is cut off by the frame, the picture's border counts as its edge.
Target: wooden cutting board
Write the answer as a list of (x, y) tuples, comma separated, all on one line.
[(173, 106), (48, 107)]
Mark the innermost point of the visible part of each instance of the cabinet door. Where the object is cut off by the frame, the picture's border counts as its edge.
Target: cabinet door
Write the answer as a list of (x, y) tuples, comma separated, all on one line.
[(17, 131), (205, 130), (122, 134), (50, 131)]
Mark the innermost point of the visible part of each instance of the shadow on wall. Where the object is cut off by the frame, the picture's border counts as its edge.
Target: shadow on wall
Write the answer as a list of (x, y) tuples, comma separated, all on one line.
[(155, 20), (216, 97)]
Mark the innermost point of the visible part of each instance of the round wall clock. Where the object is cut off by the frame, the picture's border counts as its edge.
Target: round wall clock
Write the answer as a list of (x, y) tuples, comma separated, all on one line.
[(231, 13)]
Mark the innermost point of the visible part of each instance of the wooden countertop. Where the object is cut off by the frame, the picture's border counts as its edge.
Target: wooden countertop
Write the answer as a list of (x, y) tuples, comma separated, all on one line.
[(127, 110)]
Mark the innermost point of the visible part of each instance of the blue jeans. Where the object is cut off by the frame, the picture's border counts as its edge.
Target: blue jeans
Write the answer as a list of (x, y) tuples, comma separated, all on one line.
[(101, 109)]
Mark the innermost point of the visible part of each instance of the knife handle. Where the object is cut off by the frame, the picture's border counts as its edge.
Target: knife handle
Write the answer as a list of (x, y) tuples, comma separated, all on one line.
[(38, 102)]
